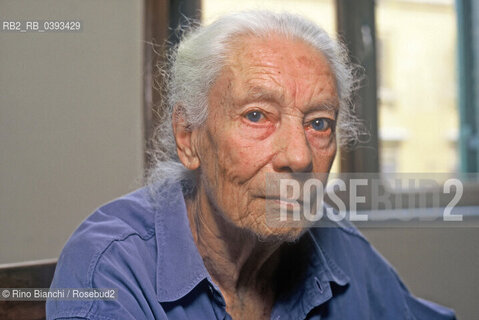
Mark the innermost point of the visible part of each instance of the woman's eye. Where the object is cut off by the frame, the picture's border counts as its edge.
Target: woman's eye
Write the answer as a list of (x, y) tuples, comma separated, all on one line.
[(320, 124), (254, 116)]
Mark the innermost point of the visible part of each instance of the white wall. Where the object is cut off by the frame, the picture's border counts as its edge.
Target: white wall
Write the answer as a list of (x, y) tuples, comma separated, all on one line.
[(438, 264), (70, 120)]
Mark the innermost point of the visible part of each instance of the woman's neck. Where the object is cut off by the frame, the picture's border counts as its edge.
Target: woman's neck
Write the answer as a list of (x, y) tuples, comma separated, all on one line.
[(238, 262)]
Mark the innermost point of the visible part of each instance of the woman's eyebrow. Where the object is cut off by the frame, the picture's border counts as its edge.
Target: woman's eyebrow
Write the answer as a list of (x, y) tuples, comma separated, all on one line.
[(257, 93), (324, 106)]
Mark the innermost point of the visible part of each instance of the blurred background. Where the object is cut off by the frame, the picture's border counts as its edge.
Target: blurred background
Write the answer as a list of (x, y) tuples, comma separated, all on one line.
[(77, 109)]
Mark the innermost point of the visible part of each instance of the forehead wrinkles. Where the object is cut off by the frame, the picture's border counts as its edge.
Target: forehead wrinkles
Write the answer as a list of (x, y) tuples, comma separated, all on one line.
[(296, 70)]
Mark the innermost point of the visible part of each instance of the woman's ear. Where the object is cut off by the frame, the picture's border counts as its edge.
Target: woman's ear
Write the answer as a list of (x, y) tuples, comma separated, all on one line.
[(184, 137)]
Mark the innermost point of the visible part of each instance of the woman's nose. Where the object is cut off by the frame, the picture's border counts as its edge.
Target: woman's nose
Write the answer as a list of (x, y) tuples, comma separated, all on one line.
[(293, 153)]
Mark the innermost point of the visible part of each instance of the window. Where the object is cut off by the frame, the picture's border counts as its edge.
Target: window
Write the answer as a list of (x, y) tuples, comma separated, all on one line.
[(418, 105)]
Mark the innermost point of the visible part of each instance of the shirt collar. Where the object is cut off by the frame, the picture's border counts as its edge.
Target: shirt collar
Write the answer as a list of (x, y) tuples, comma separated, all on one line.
[(320, 272), (324, 266), (180, 267)]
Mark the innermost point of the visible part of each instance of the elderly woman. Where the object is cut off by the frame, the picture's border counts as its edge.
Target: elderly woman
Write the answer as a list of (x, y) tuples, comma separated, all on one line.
[(253, 93)]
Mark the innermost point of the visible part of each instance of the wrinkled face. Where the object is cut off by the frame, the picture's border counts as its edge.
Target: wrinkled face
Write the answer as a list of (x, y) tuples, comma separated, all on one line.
[(272, 109)]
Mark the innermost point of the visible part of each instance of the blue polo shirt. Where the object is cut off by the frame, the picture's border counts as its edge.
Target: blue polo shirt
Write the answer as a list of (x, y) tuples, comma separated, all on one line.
[(145, 249)]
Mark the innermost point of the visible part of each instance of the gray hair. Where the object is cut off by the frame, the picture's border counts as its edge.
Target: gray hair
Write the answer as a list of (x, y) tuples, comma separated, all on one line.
[(195, 63)]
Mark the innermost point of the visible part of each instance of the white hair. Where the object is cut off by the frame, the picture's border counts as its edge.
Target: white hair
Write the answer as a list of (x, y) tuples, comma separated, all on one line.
[(195, 63)]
